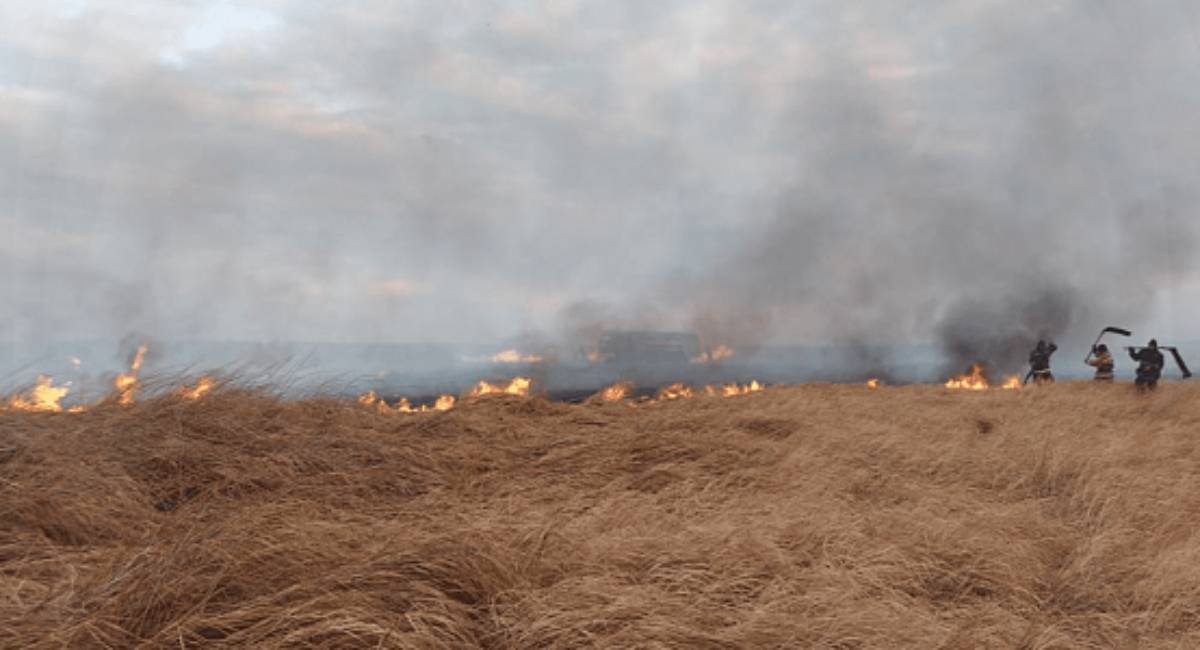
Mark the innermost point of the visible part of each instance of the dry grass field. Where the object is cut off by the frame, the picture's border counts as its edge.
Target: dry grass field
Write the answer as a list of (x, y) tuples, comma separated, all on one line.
[(813, 516)]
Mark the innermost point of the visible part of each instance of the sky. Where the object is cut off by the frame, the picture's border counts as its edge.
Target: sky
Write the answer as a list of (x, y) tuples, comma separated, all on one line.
[(755, 170)]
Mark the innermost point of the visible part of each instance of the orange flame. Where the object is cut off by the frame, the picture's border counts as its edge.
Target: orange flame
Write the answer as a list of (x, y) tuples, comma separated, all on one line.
[(1012, 382), (519, 386), (203, 386), (733, 390), (126, 383), (714, 355), (873, 383), (443, 403), (43, 397), (973, 380), (372, 401), (616, 392), (675, 391)]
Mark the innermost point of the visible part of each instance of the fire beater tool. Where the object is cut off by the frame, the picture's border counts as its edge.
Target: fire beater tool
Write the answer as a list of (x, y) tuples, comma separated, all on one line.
[(1108, 330), (1187, 374)]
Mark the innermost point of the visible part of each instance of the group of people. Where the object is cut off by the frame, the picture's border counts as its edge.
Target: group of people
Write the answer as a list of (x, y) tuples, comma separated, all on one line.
[(1150, 363)]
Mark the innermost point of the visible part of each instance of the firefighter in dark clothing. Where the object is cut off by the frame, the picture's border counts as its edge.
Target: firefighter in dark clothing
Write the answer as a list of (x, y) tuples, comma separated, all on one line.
[(1150, 365), (1039, 362), (1102, 360)]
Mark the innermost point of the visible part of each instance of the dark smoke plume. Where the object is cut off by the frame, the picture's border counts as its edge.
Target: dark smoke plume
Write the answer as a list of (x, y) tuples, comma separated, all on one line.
[(1002, 330)]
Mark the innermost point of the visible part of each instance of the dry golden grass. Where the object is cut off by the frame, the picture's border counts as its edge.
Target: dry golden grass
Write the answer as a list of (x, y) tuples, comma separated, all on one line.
[(811, 516)]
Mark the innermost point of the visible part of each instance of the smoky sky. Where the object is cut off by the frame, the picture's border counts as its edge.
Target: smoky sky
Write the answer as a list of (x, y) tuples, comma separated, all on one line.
[(971, 173)]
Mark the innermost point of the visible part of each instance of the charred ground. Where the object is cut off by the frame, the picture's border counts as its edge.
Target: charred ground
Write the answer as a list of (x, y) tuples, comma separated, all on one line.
[(807, 516)]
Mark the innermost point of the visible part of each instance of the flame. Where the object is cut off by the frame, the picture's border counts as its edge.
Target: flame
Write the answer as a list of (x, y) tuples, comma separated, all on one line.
[(443, 403), (681, 391), (873, 383), (372, 401), (616, 392), (518, 386), (43, 397), (675, 391), (716, 354), (126, 383), (974, 380), (977, 380), (733, 390), (512, 356), (203, 386)]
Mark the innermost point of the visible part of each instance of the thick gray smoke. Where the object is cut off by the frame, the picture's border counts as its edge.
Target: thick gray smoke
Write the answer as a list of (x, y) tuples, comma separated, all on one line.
[(1000, 330), (972, 176), (1032, 193)]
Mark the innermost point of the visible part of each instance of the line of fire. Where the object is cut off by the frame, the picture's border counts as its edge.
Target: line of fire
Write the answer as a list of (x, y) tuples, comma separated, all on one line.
[(634, 367)]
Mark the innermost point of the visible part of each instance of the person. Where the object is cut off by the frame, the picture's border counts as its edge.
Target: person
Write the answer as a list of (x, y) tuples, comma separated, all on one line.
[(1150, 365), (1102, 360), (1039, 363)]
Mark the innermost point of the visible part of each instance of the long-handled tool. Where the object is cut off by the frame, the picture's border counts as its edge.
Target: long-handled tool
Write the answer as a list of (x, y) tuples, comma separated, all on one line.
[(1187, 374), (1179, 362), (1107, 330)]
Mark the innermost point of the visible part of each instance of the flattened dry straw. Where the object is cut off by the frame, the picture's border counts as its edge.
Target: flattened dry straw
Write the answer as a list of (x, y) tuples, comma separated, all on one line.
[(810, 516)]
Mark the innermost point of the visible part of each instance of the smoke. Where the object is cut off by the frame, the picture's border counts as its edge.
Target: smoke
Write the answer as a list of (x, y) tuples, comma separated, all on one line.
[(1003, 329), (930, 227), (759, 173)]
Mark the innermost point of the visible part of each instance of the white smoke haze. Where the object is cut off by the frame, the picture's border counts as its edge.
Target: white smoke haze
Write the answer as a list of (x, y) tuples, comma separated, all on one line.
[(970, 175)]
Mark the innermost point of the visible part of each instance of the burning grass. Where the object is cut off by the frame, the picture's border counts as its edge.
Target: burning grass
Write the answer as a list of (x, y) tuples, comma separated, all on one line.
[(810, 516)]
